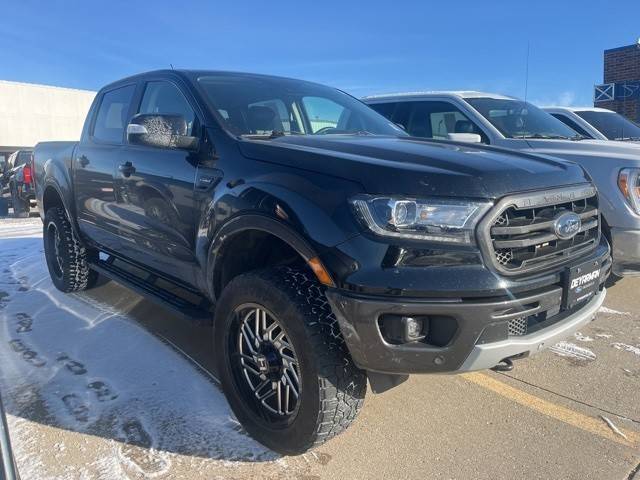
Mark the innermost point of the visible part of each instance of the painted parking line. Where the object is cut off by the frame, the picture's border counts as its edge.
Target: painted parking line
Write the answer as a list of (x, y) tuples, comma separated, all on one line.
[(592, 425)]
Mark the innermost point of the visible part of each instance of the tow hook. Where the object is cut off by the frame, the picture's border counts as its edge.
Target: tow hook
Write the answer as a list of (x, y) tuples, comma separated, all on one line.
[(505, 365)]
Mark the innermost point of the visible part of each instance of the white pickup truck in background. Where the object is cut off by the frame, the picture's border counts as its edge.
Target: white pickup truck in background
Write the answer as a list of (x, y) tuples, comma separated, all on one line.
[(502, 121)]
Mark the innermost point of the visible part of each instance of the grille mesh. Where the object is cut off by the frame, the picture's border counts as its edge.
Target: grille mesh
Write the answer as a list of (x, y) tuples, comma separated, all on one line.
[(504, 256), (518, 326), (524, 239)]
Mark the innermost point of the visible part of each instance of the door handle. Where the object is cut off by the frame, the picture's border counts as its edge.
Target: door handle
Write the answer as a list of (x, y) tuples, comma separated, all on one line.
[(82, 161), (127, 169), (208, 178)]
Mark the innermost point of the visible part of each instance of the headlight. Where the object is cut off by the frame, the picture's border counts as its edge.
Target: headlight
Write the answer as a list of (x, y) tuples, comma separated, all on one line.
[(629, 184), (430, 219)]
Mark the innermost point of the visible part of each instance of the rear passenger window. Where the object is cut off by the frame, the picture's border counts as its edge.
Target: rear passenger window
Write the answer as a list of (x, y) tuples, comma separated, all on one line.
[(111, 119)]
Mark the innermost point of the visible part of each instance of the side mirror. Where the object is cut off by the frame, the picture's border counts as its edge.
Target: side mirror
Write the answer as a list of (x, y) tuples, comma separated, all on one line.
[(160, 130), (464, 137)]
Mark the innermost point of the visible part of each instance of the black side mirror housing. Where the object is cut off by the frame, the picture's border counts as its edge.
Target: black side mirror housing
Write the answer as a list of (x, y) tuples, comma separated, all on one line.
[(161, 131)]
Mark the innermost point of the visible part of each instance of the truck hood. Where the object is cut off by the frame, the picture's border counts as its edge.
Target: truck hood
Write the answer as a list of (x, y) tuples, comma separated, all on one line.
[(410, 166), (574, 151)]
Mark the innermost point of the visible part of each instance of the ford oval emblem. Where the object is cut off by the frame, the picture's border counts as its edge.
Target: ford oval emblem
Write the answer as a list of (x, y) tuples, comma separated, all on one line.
[(567, 225)]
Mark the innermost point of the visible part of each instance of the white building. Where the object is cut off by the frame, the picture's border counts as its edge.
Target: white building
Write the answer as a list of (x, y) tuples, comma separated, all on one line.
[(31, 113)]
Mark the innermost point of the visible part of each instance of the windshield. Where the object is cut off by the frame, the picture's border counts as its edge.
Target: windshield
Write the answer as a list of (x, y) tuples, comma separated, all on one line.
[(612, 125), (267, 107), (518, 119)]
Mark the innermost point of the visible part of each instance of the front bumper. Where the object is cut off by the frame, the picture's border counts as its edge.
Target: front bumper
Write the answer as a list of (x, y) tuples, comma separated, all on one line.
[(481, 338), (626, 251), (489, 355)]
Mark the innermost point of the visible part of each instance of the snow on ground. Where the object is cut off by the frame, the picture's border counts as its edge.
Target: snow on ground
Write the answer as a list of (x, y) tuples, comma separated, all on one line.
[(567, 349), (627, 348), (91, 394)]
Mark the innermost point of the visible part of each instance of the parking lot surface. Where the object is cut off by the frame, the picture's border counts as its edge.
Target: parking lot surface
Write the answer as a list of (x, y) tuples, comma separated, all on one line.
[(106, 385)]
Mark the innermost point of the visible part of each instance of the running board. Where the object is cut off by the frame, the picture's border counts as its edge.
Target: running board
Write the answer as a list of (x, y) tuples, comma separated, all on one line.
[(200, 312)]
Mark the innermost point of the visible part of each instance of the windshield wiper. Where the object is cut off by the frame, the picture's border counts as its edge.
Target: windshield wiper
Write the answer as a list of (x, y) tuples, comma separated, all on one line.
[(273, 134), (539, 136)]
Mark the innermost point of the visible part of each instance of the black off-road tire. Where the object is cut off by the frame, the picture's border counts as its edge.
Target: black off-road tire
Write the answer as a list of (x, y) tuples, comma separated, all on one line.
[(69, 267), (333, 388), (20, 206)]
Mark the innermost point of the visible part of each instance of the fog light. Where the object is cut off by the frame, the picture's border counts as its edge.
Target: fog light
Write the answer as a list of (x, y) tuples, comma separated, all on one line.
[(413, 327), (404, 329)]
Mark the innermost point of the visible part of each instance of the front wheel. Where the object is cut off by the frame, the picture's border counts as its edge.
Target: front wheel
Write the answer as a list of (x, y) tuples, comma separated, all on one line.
[(282, 361), (67, 259)]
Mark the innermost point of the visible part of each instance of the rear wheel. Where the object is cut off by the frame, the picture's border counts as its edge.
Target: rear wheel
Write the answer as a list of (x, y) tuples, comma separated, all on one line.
[(67, 259), (20, 206), (282, 361)]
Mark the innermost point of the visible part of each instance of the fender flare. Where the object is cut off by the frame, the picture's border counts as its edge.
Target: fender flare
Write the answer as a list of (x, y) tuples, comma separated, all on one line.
[(259, 222), (50, 183)]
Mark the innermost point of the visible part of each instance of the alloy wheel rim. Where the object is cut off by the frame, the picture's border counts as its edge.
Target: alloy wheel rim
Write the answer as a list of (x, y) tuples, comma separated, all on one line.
[(268, 367)]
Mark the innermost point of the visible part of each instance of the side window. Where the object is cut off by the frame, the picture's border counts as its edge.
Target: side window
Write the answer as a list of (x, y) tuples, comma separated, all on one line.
[(384, 109), (273, 115), (398, 113), (438, 119), (571, 124), (165, 98), (23, 158), (322, 113), (111, 119)]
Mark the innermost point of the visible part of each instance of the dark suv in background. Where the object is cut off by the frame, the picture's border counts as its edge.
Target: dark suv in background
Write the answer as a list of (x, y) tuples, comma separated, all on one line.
[(17, 180)]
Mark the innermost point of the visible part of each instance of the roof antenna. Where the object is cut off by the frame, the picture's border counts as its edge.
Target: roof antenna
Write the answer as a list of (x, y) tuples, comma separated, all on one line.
[(526, 89), (526, 75), (171, 65)]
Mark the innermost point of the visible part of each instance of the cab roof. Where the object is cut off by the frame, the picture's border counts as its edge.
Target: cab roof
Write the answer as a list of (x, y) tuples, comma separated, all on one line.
[(461, 94)]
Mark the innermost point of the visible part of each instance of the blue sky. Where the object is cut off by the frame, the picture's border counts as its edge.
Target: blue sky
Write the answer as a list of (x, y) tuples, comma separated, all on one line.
[(361, 47)]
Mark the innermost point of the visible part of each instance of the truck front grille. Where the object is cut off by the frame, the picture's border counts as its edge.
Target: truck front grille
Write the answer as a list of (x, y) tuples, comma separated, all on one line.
[(520, 234)]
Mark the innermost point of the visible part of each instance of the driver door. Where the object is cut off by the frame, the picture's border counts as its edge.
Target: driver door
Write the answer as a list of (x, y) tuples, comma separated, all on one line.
[(155, 191)]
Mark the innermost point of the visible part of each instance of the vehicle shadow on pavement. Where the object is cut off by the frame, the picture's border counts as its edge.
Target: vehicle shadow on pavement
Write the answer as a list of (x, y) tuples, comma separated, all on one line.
[(109, 364)]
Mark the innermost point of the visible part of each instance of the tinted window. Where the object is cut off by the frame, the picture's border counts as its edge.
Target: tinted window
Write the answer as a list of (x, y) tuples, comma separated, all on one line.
[(612, 125), (518, 119), (23, 158), (571, 124), (385, 109), (263, 107), (439, 119), (166, 98), (322, 113), (112, 115)]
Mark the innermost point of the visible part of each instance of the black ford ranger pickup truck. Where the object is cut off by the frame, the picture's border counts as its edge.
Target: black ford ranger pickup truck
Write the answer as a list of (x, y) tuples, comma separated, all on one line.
[(325, 245)]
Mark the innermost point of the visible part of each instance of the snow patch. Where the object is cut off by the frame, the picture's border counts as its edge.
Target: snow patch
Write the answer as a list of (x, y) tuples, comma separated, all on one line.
[(627, 348), (612, 311), (582, 338), (570, 350), (71, 363), (613, 427)]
